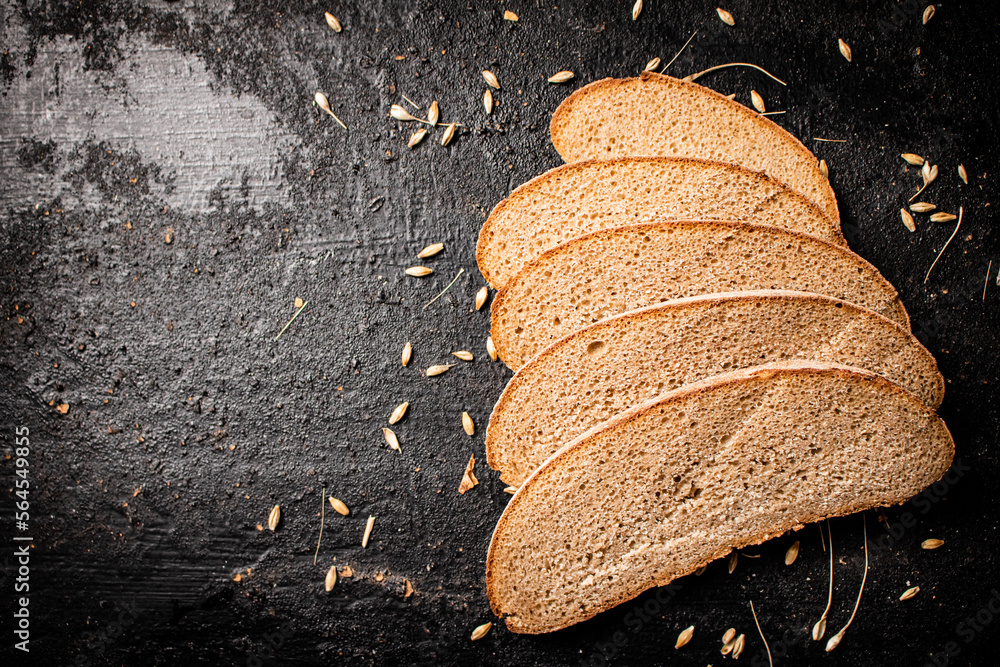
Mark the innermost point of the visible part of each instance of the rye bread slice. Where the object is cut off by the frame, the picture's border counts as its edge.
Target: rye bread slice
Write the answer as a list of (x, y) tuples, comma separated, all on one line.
[(594, 373), (656, 114), (606, 273), (587, 196), (673, 484)]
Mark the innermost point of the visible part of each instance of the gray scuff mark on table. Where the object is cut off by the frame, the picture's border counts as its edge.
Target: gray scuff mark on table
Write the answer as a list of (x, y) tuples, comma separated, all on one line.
[(161, 105)]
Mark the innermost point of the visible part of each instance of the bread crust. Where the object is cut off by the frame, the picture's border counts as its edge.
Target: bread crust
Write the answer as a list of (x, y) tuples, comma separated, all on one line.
[(637, 315), (755, 374), (484, 241), (500, 300), (829, 200)]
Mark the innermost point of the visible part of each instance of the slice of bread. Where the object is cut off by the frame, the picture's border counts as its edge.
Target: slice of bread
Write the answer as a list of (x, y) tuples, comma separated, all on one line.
[(597, 372), (659, 115), (731, 461), (587, 196), (608, 272)]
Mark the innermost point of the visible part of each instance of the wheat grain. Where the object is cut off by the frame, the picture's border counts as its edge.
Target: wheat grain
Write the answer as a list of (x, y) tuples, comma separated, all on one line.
[(399, 113), (399, 412), (819, 629), (908, 220), (391, 439), (430, 250), (449, 134), (946, 244), (835, 640), (684, 637), (339, 506), (792, 553), (481, 631), (368, 531), (416, 137), (845, 50)]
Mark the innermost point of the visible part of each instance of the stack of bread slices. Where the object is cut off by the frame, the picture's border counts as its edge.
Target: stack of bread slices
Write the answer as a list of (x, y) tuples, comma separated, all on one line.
[(701, 362)]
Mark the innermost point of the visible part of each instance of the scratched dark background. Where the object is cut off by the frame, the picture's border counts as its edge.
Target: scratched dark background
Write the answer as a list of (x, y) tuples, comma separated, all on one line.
[(123, 122)]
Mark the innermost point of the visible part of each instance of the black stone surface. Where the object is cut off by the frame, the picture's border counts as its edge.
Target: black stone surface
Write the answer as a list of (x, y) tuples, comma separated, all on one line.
[(188, 420)]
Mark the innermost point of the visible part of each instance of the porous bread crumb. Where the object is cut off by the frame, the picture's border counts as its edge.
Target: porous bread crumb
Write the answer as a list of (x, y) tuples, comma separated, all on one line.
[(725, 463), (597, 372), (583, 197), (608, 272), (656, 114)]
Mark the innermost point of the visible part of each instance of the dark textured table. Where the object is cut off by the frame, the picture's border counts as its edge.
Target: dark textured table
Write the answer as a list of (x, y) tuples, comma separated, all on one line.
[(168, 189)]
